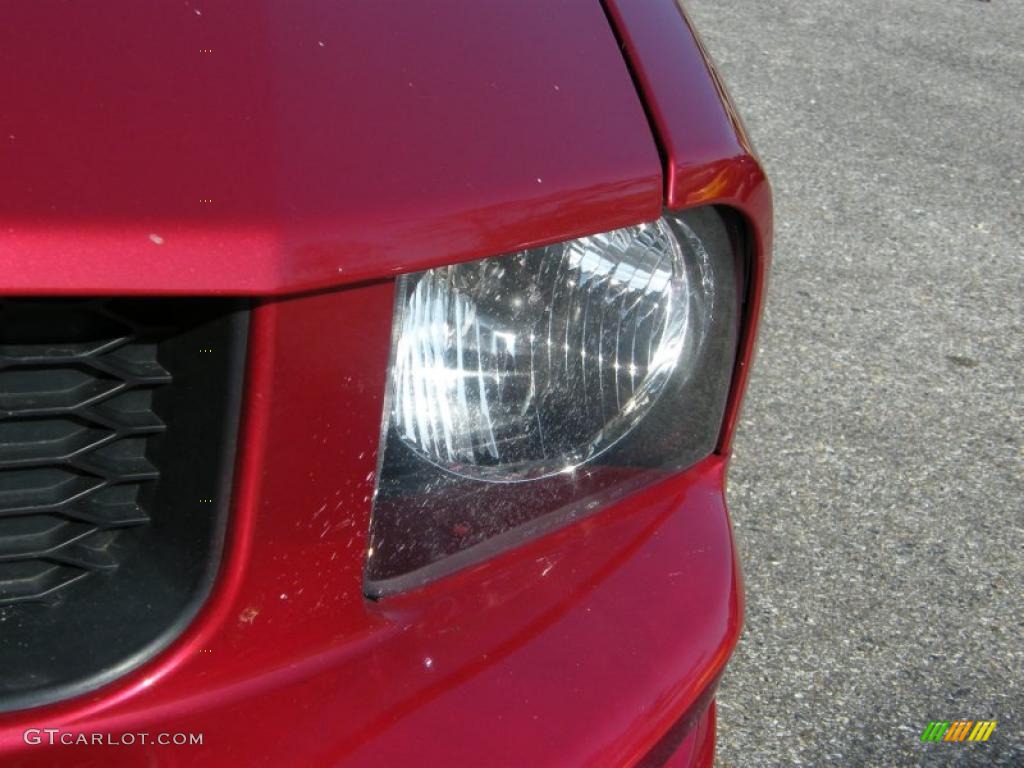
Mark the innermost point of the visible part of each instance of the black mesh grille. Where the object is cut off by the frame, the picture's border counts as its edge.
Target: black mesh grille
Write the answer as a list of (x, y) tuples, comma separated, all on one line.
[(76, 419), (116, 434)]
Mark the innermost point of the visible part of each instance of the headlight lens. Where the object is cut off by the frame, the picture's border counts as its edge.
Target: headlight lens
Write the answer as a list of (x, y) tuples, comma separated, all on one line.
[(523, 385), (524, 366)]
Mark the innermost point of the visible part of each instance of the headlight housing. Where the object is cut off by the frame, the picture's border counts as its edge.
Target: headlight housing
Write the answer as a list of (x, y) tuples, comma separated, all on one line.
[(527, 389)]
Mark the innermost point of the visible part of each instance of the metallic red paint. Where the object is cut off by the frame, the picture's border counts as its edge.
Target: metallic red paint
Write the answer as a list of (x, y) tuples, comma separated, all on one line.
[(583, 647), (268, 148)]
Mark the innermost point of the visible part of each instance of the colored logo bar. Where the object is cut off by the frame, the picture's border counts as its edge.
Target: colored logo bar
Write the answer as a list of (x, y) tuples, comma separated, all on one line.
[(959, 730)]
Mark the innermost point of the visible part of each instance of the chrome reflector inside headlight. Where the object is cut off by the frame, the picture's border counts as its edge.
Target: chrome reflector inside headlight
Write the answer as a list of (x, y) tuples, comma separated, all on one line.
[(534, 363), (524, 384)]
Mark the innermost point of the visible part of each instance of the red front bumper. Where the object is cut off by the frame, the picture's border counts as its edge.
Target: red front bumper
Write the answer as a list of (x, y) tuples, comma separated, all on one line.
[(584, 647)]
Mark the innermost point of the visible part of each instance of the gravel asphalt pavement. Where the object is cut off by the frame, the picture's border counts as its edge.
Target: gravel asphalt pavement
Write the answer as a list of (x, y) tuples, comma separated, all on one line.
[(878, 485)]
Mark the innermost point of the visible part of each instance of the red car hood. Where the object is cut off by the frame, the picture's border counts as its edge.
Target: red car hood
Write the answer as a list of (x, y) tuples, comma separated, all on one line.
[(268, 147)]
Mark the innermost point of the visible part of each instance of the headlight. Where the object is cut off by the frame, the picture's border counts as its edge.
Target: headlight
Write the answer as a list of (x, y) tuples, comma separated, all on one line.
[(524, 366), (529, 387)]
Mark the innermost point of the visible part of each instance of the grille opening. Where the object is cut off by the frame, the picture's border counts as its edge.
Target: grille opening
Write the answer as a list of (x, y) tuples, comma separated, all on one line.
[(117, 417)]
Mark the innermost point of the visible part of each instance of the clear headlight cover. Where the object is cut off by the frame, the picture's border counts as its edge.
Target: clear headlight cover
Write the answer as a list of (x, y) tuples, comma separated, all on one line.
[(519, 367), (528, 387)]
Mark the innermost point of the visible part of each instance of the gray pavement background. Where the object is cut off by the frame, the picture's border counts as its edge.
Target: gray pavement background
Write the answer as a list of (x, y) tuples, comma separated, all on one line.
[(877, 487)]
